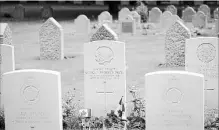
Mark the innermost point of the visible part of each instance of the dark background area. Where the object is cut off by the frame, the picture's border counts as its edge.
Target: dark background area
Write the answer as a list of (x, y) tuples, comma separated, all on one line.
[(64, 10)]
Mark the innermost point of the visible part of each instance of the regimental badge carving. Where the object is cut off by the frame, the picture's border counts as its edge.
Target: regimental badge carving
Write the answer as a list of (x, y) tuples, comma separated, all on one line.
[(104, 55), (173, 95), (206, 52), (30, 92)]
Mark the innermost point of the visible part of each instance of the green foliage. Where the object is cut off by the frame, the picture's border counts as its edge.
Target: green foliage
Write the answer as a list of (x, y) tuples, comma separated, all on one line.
[(2, 119), (112, 121), (70, 107), (142, 11), (136, 119)]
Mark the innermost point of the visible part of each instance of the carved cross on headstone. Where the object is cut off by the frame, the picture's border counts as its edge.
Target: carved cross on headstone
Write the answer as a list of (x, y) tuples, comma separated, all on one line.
[(105, 92)]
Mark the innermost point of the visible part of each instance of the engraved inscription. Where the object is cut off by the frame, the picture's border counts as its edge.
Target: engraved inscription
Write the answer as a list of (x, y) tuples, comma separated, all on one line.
[(104, 73)]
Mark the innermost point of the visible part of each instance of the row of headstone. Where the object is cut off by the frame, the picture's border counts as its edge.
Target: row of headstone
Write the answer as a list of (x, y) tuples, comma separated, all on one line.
[(104, 66)]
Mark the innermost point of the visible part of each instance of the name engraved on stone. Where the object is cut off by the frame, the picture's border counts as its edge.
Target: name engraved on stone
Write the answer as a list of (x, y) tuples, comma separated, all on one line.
[(27, 117), (104, 73)]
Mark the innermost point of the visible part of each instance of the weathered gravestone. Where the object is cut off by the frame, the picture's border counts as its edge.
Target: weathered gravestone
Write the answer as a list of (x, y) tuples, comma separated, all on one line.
[(154, 15), (206, 10), (104, 76), (188, 14), (36, 101), (5, 34), (175, 102), (199, 20), (82, 24), (51, 40), (165, 19), (19, 12), (128, 25), (175, 40), (172, 9), (7, 63), (105, 16), (104, 33), (137, 18), (123, 13), (202, 57), (216, 13)]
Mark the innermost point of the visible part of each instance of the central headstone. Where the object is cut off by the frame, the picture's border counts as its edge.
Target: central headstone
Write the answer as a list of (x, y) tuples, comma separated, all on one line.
[(128, 26), (36, 101), (104, 75), (175, 100)]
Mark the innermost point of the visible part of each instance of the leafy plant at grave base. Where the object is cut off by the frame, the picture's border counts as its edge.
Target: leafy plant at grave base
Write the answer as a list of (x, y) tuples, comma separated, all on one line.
[(142, 11), (71, 119), (211, 123), (136, 119), (113, 121), (96, 123), (2, 119)]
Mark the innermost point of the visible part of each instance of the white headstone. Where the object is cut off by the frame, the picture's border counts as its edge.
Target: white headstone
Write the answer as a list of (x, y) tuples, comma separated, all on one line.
[(51, 40), (82, 24), (104, 71), (128, 25), (137, 18), (36, 101), (123, 13), (104, 33), (7, 63), (188, 14), (5, 34), (202, 57), (172, 9), (175, 100), (105, 16), (175, 40), (199, 20), (206, 10), (155, 15), (165, 19)]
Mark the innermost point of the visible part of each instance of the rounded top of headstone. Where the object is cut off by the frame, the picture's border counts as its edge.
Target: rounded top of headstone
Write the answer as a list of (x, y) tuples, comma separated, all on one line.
[(189, 9), (33, 71), (167, 13), (125, 9), (174, 72), (204, 6), (82, 16)]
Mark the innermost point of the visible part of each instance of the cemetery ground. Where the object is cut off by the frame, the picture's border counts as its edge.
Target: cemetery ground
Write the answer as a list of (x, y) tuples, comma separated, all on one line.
[(144, 54)]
